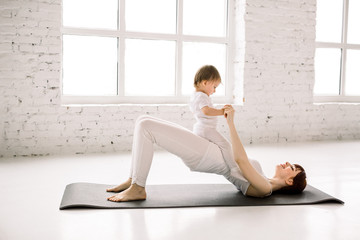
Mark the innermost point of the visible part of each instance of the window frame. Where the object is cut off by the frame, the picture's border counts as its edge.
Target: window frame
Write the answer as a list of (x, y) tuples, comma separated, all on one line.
[(121, 34), (343, 46)]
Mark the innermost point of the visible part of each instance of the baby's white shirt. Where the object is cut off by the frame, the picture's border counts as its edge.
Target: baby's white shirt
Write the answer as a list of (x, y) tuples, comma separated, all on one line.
[(197, 102)]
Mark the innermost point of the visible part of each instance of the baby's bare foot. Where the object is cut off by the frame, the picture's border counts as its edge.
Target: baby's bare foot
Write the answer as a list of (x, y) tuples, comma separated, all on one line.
[(133, 193), (121, 187)]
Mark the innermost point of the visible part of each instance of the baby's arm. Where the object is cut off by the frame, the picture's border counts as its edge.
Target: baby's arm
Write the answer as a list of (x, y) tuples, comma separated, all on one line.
[(208, 111)]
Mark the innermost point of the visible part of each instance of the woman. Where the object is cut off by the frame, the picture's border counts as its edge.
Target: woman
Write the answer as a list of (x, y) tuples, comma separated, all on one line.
[(203, 156)]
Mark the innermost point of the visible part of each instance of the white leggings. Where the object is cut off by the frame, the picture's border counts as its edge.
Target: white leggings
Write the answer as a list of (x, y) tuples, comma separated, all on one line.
[(176, 139)]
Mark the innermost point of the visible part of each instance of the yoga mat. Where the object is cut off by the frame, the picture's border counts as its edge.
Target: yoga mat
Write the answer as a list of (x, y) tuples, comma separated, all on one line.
[(92, 195)]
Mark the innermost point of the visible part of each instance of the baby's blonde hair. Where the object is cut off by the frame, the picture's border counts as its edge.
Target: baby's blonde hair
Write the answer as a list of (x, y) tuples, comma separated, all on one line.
[(207, 72)]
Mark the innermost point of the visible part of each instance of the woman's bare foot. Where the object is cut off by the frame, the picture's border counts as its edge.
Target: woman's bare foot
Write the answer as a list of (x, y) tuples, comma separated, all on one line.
[(121, 187), (133, 193)]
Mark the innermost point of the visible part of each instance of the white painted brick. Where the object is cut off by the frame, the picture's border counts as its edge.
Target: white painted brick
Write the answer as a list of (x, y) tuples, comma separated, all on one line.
[(273, 70)]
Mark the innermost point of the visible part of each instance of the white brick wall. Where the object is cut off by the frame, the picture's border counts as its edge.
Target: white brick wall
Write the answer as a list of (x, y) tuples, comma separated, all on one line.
[(274, 72)]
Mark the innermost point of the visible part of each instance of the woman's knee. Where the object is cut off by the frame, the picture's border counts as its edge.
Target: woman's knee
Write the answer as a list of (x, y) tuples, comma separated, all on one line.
[(149, 128), (142, 117), (145, 125)]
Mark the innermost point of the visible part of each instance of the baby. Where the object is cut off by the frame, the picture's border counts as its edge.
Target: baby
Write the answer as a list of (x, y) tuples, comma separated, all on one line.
[(206, 80)]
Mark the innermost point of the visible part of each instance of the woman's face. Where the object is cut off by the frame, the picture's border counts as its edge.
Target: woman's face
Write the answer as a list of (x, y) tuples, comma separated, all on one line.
[(286, 172)]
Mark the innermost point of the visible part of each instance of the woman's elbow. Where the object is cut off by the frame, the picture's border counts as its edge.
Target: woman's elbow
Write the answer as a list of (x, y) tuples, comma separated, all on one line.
[(260, 193), (266, 192)]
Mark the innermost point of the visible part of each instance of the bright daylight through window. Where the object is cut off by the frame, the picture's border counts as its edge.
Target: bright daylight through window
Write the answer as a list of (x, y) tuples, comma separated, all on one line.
[(337, 56), (142, 50)]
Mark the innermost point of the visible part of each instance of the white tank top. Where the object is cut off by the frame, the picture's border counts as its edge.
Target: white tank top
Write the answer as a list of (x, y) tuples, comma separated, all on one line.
[(239, 181), (213, 162)]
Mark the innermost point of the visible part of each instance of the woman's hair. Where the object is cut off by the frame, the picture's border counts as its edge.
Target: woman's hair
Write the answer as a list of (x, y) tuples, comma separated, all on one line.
[(207, 72), (299, 182)]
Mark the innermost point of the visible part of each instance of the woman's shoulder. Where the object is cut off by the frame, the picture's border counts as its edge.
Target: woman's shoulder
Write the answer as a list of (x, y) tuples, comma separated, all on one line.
[(256, 165)]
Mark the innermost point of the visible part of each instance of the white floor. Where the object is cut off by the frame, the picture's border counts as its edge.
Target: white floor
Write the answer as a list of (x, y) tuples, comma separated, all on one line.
[(31, 191)]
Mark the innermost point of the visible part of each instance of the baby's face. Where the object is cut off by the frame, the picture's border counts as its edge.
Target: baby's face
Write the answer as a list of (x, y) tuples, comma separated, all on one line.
[(210, 86)]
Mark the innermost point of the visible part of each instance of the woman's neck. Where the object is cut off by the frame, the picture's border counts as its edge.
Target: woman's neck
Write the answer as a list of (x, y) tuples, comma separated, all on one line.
[(276, 184)]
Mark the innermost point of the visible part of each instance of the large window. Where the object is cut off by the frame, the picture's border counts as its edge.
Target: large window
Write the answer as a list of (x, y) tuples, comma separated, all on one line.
[(337, 56), (142, 51)]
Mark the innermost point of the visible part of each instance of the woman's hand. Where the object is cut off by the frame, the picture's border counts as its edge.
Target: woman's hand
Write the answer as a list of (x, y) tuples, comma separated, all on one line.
[(229, 113)]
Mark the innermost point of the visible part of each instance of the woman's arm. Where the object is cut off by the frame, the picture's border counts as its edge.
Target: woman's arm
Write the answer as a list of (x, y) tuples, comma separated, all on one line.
[(259, 186)]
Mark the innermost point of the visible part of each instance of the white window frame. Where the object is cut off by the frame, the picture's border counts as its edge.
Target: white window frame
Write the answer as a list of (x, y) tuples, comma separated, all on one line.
[(179, 37), (343, 46)]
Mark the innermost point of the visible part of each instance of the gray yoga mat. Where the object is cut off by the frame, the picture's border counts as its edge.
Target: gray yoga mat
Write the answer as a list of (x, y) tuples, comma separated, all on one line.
[(92, 195)]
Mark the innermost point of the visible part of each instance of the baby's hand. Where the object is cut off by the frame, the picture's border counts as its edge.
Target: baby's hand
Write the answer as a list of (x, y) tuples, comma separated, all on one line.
[(226, 109), (226, 106)]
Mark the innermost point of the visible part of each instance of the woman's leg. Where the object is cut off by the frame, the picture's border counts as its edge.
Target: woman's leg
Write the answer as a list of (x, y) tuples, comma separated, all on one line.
[(172, 137), (169, 136), (125, 185)]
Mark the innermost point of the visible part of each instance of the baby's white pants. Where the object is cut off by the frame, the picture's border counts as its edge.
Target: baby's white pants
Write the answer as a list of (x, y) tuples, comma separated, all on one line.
[(211, 134)]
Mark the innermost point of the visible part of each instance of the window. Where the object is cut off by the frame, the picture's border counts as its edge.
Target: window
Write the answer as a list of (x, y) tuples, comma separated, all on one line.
[(337, 55), (143, 51)]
